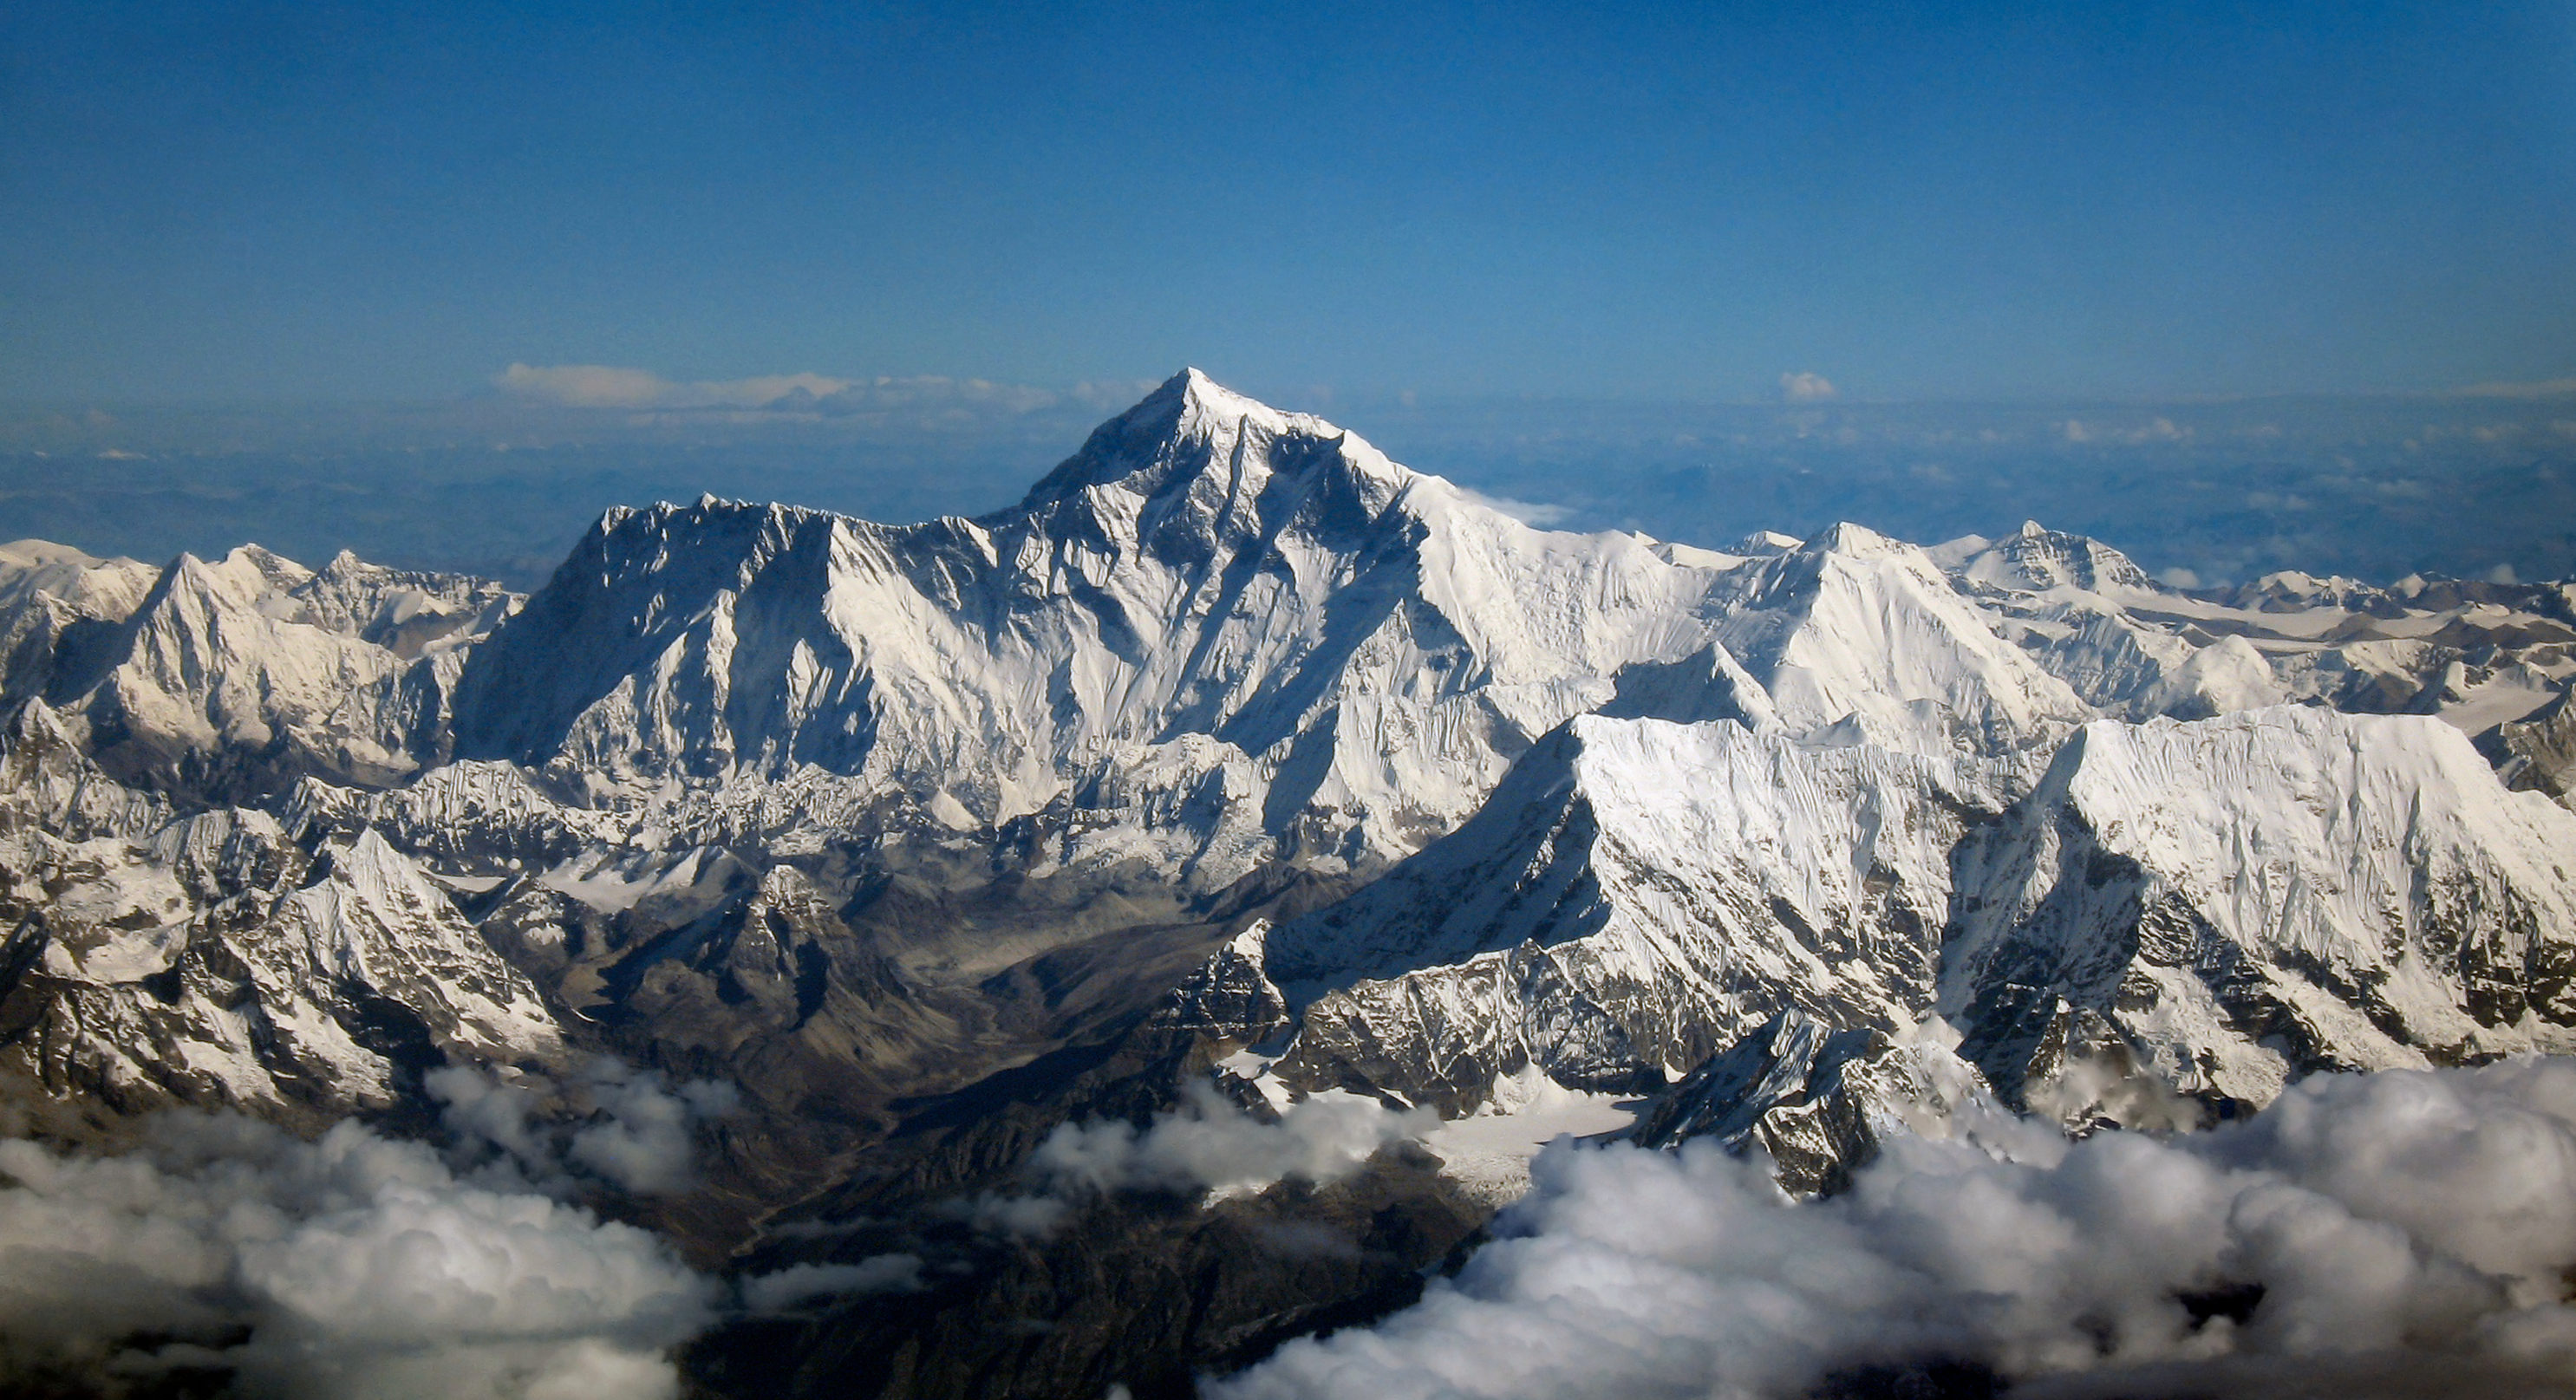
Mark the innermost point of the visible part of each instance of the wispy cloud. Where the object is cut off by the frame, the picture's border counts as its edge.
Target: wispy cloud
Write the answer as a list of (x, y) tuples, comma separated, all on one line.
[(2535, 389), (642, 390), (1538, 514), (774, 1293), (1208, 1144), (611, 386), (1806, 387)]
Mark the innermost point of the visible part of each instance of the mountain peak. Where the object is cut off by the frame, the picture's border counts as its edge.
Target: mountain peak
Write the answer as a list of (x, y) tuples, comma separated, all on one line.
[(1844, 537), (1192, 427)]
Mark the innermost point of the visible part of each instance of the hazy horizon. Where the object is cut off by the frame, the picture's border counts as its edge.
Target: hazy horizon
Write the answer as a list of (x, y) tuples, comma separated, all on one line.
[(502, 482)]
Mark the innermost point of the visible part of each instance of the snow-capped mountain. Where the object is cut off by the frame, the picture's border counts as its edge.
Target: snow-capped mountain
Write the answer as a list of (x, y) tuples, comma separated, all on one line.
[(1253, 603), (2225, 904), (1852, 623), (1242, 631), (1238, 750), (2246, 899), (211, 959), (227, 680), (2479, 654)]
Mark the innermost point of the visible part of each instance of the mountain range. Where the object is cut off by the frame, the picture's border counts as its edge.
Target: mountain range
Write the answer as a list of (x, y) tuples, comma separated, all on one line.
[(1242, 778)]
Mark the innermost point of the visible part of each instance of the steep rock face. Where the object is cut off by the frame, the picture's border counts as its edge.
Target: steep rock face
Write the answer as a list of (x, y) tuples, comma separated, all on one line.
[(1635, 895), (2244, 899), (1361, 648), (1819, 1102), (2537, 753)]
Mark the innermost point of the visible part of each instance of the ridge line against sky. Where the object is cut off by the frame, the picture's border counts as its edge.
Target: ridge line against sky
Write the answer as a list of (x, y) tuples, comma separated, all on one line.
[(262, 200)]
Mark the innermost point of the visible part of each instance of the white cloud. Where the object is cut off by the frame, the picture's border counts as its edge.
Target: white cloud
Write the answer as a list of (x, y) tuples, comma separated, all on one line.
[(1213, 1144), (2407, 1232), (1535, 514), (587, 386), (643, 391), (1208, 1144), (2178, 577), (350, 1266), (1806, 387), (609, 386), (2537, 389), (643, 1138), (773, 1293), (630, 1128), (2155, 429)]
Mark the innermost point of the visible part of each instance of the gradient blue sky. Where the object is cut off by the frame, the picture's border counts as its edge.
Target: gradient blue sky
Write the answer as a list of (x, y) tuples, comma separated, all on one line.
[(308, 201)]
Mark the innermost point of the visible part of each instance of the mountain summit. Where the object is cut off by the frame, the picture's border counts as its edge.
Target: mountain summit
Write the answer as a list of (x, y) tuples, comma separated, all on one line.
[(1193, 439)]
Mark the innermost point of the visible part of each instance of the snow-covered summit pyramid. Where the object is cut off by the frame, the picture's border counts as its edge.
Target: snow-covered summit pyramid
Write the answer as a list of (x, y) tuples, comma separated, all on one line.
[(2036, 559), (1205, 455)]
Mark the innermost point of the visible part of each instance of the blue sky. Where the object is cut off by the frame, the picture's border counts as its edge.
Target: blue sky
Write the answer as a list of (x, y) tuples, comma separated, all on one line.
[(307, 201)]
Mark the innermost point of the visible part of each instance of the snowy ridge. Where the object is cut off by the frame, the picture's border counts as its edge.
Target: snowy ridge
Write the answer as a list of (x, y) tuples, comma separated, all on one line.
[(231, 678), (2176, 922), (2244, 899), (56, 605), (90, 587), (2478, 654), (2076, 605), (46, 782), (1636, 895)]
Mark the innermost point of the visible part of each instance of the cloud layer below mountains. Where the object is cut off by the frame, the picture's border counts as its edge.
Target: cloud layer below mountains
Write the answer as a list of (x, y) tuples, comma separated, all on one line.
[(354, 1266), (357, 1267), (2399, 1234)]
